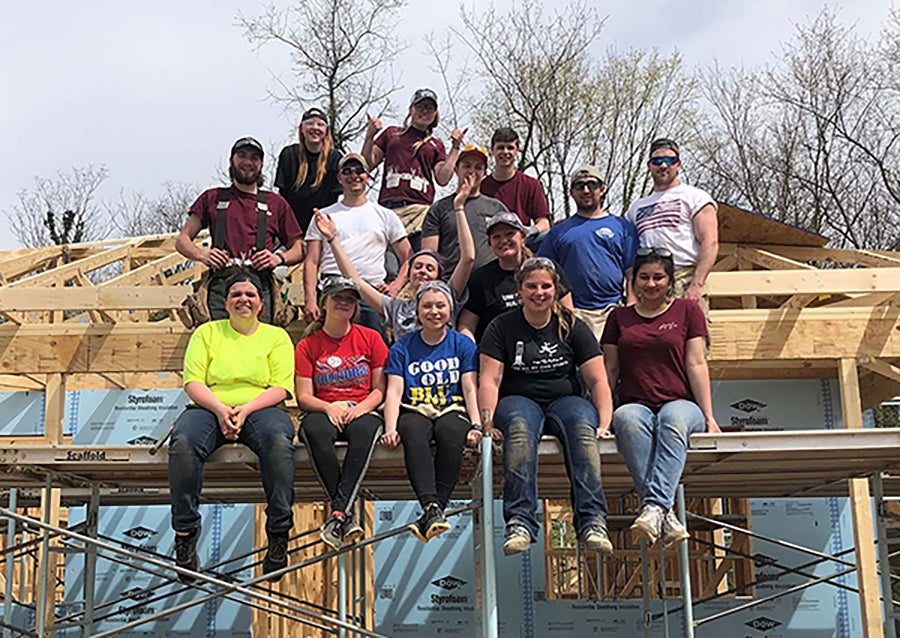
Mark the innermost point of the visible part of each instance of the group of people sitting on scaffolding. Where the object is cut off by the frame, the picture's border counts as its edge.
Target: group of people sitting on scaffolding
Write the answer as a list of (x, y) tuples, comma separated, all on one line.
[(502, 324)]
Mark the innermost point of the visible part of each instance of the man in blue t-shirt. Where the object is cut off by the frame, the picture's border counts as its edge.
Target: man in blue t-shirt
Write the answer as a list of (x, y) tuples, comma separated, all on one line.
[(594, 249)]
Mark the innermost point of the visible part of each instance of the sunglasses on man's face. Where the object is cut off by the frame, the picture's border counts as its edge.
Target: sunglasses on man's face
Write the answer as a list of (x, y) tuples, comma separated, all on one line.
[(353, 170), (664, 161), (580, 186)]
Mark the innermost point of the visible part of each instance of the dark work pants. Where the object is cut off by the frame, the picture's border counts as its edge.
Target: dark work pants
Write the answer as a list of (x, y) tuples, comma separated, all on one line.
[(341, 483), (433, 477)]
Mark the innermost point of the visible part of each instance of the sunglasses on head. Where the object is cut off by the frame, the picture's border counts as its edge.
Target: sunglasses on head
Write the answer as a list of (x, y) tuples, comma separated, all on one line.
[(353, 170), (581, 185), (664, 161), (538, 262), (665, 253)]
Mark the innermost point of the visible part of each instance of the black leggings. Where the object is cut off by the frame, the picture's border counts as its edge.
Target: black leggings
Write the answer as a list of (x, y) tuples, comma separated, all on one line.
[(433, 477), (319, 435)]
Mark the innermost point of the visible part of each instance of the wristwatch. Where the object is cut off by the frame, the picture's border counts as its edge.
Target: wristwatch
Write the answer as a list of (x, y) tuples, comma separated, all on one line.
[(477, 426), (283, 260)]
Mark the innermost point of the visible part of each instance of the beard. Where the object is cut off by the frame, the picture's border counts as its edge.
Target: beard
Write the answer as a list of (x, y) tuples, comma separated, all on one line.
[(245, 178)]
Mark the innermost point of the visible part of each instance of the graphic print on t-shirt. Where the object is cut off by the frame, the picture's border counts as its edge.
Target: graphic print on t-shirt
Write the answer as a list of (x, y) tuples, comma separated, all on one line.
[(539, 357), (342, 373), (661, 214), (432, 382)]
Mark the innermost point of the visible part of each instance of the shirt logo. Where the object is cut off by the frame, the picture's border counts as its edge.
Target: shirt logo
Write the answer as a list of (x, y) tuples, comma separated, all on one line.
[(548, 348), (672, 325), (334, 361), (605, 232)]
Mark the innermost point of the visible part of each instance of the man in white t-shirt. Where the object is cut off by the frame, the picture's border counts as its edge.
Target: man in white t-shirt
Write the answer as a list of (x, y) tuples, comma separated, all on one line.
[(678, 218), (365, 230)]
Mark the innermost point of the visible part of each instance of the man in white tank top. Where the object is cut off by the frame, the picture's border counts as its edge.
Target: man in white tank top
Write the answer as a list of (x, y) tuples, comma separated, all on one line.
[(679, 218)]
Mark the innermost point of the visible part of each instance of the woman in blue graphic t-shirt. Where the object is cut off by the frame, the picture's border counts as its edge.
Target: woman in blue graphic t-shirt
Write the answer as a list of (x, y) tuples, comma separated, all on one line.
[(431, 396)]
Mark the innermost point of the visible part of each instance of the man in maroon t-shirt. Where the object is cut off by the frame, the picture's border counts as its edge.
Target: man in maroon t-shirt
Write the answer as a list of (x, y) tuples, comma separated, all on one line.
[(238, 244), (521, 193)]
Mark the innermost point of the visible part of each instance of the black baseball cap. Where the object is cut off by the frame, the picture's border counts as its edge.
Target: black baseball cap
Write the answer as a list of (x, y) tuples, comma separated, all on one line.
[(423, 94), (314, 112), (248, 142)]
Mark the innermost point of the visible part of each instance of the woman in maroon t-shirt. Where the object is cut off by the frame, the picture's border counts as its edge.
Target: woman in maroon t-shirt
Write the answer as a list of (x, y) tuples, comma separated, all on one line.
[(413, 161), (655, 351), (339, 379)]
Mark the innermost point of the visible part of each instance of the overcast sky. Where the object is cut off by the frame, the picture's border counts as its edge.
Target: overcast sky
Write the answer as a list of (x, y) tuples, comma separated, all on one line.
[(159, 91)]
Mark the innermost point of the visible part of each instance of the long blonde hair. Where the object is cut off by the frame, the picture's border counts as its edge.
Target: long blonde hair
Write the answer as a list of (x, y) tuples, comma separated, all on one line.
[(565, 316), (428, 131), (321, 164)]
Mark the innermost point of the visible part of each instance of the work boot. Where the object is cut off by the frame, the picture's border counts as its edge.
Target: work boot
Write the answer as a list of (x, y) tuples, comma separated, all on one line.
[(648, 523), (276, 555), (186, 555)]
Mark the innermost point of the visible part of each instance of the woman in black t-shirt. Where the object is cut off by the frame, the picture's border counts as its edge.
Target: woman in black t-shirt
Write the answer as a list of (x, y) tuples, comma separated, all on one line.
[(528, 386), (492, 288), (307, 172)]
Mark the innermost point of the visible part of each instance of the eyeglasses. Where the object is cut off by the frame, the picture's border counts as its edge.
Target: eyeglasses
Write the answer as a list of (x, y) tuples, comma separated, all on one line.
[(592, 185), (669, 160), (646, 251), (354, 170), (533, 263), (424, 106)]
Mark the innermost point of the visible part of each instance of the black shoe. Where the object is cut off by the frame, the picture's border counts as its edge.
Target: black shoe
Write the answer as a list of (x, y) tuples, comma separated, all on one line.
[(276, 556), (186, 555), (435, 522), (430, 524)]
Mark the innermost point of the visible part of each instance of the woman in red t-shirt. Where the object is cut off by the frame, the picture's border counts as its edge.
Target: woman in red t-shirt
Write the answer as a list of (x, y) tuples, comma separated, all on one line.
[(655, 352), (339, 378)]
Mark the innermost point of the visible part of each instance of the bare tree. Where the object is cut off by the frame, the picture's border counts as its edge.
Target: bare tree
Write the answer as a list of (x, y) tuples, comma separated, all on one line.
[(813, 139), (532, 69), (60, 210), (638, 96), (137, 214), (342, 53), (540, 74)]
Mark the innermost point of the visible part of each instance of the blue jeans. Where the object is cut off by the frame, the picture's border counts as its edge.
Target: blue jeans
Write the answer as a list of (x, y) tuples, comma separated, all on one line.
[(655, 446), (571, 419), (269, 433)]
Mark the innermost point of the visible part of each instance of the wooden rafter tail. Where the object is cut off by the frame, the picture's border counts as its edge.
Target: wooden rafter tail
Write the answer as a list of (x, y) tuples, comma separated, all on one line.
[(769, 260)]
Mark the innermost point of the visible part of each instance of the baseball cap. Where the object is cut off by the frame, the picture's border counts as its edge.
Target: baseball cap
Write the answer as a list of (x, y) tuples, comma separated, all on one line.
[(506, 218), (663, 142), (248, 142), (586, 171), (423, 94), (314, 112), (353, 157), (334, 285), (473, 149)]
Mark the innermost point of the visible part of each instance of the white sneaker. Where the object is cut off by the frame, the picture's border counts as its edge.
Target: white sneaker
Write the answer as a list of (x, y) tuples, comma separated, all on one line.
[(672, 530), (648, 524)]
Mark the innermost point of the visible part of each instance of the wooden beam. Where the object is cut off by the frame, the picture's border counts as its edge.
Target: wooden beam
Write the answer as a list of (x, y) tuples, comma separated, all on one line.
[(870, 299), (54, 407), (807, 334), (100, 298), (770, 260), (146, 274), (839, 256), (62, 274), (885, 369), (792, 282), (863, 535)]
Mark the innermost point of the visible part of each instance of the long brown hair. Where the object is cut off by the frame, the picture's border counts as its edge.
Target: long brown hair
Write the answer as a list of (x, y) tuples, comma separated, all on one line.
[(321, 164), (564, 315)]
